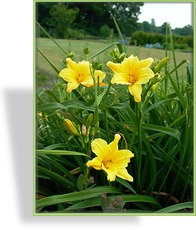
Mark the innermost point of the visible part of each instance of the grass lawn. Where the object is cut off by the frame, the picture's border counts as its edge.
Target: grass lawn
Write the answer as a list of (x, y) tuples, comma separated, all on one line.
[(56, 55)]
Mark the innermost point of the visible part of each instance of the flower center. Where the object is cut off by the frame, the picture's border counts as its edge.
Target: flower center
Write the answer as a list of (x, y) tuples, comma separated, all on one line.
[(80, 77), (107, 163), (131, 78)]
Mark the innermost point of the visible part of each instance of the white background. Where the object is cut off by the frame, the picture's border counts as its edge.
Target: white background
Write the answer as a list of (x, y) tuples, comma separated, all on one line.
[(16, 141)]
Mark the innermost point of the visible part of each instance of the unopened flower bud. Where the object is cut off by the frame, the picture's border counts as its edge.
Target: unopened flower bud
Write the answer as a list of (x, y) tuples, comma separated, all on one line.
[(70, 127), (122, 57), (89, 120), (161, 64)]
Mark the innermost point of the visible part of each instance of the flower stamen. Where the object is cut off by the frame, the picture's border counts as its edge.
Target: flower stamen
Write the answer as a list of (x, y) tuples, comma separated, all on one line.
[(131, 78), (80, 77), (107, 163)]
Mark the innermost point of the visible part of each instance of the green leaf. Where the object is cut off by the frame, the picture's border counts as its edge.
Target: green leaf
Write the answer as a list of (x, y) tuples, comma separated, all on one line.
[(51, 64), (56, 105), (178, 93), (103, 50), (94, 202), (126, 184), (55, 146), (75, 196), (139, 198), (62, 152), (56, 177), (165, 130), (51, 38), (176, 207), (89, 203), (155, 105)]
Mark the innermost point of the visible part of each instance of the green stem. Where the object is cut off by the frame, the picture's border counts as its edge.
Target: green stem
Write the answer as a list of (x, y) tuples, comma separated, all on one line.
[(96, 113), (139, 127), (105, 108)]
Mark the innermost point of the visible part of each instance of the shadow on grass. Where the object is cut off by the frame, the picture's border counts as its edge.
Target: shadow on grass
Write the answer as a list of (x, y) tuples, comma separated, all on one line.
[(19, 106)]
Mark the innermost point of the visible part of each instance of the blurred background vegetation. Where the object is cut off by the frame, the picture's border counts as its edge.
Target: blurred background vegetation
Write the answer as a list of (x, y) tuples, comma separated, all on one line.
[(80, 20)]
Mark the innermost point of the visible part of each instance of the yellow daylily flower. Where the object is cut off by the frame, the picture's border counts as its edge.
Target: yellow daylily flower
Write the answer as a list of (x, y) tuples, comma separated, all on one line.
[(110, 159), (132, 72), (76, 74), (99, 77)]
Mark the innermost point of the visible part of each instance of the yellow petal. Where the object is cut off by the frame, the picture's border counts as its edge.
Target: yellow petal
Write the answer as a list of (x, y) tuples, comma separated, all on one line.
[(100, 148), (130, 65), (136, 91), (68, 75), (123, 163), (88, 81), (145, 75), (71, 64), (95, 163), (120, 78), (115, 67), (83, 67), (146, 62), (114, 144), (111, 173), (71, 86), (123, 154), (122, 173), (99, 76)]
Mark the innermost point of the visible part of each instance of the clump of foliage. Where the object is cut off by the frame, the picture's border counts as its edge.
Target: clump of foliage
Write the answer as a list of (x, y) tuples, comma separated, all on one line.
[(97, 111)]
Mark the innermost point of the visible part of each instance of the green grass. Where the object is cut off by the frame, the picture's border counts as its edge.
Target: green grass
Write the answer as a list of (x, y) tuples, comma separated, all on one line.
[(56, 56)]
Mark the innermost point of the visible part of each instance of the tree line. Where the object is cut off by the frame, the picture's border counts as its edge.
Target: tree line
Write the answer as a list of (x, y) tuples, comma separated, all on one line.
[(79, 20), (94, 19)]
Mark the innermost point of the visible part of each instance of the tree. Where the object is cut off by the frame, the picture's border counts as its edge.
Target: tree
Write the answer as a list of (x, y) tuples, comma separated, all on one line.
[(43, 13), (61, 18), (96, 14), (126, 15), (89, 17)]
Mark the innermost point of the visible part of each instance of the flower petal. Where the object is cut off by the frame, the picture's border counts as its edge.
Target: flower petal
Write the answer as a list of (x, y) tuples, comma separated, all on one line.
[(121, 158), (100, 148), (123, 154), (136, 91), (120, 78), (145, 75), (99, 75), (111, 173), (71, 86), (146, 62), (115, 67), (114, 144), (68, 75), (122, 173), (95, 163), (130, 65), (71, 64), (83, 67)]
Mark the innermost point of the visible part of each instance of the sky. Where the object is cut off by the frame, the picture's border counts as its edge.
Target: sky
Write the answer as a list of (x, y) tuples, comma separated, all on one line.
[(177, 14)]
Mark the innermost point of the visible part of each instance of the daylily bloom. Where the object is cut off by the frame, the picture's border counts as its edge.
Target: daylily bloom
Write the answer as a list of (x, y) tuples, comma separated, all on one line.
[(76, 74), (110, 159), (99, 76), (132, 72)]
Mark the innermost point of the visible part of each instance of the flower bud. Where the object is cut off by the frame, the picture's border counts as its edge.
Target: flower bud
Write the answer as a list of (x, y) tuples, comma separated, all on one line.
[(161, 64), (70, 127), (89, 120)]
